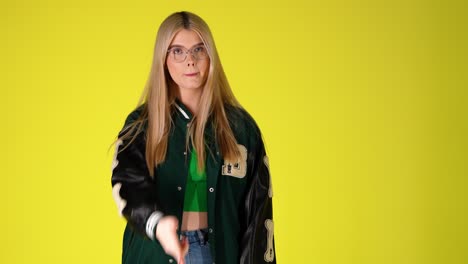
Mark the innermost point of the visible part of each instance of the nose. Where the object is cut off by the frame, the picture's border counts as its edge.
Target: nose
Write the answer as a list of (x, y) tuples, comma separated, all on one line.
[(190, 59)]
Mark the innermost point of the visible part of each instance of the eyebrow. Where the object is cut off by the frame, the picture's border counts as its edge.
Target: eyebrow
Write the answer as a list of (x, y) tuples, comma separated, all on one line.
[(182, 46)]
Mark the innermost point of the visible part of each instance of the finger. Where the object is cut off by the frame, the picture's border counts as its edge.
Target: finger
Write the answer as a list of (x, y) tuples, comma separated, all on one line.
[(177, 256), (182, 258), (184, 246), (181, 261)]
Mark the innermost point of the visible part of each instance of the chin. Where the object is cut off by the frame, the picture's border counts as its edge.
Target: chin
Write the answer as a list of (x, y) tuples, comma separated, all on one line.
[(193, 86)]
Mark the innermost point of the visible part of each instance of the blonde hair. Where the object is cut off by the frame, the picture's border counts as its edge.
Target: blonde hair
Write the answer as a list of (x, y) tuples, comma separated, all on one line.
[(158, 97)]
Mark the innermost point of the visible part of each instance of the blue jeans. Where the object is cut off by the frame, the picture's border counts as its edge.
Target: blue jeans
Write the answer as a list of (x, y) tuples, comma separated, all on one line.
[(199, 248)]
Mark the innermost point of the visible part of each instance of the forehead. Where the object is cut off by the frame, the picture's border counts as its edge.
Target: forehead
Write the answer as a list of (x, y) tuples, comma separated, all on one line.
[(186, 38)]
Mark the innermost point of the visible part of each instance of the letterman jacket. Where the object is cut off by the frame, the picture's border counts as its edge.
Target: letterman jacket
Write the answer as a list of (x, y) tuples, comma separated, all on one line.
[(239, 195)]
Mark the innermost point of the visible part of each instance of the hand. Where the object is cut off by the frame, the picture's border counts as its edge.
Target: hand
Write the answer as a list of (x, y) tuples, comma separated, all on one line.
[(166, 233)]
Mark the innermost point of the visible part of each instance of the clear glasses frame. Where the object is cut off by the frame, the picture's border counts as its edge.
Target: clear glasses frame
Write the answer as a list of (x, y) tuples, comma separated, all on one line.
[(179, 54)]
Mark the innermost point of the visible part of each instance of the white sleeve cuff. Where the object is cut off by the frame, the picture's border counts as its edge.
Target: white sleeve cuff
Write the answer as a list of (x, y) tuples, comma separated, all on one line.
[(151, 224)]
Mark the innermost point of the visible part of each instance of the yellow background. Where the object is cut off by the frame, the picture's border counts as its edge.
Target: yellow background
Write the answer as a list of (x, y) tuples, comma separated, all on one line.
[(363, 106)]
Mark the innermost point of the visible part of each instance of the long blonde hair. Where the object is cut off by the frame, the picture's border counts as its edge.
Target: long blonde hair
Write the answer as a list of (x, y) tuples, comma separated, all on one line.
[(158, 97)]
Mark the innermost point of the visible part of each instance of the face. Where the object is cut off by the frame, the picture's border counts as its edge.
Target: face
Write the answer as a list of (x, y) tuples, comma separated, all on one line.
[(190, 73)]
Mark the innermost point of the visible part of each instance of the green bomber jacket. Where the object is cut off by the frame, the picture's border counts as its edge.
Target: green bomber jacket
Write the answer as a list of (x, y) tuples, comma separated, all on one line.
[(239, 195)]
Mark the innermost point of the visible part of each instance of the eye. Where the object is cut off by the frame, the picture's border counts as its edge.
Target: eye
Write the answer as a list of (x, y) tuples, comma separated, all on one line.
[(177, 51), (199, 49)]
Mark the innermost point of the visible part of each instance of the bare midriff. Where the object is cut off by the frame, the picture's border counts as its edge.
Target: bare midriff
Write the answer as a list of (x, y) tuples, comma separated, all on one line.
[(194, 220), (195, 214)]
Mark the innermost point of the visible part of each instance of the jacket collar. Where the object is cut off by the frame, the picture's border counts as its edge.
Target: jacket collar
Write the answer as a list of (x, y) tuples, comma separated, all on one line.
[(183, 110)]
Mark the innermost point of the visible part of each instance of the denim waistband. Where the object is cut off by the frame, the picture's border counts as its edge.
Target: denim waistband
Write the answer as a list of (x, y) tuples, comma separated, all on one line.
[(199, 235)]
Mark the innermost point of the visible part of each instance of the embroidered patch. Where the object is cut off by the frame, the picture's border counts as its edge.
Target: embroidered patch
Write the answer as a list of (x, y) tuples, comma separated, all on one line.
[(119, 201), (115, 162), (267, 164), (269, 253), (238, 169)]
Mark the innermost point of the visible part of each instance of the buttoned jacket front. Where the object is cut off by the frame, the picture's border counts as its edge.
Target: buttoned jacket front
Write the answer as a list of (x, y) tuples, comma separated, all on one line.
[(238, 194)]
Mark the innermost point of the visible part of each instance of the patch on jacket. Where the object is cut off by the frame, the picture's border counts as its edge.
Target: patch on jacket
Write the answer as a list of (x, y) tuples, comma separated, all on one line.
[(267, 165), (119, 201), (238, 169), (270, 252), (115, 162)]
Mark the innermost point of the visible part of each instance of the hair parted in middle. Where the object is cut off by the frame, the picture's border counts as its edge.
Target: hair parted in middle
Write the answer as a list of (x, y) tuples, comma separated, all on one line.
[(160, 94)]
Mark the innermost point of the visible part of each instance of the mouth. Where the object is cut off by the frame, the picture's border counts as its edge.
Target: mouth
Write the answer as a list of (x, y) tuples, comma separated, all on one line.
[(191, 74)]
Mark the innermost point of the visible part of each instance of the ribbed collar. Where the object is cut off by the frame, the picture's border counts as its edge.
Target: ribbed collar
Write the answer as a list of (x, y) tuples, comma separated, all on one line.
[(183, 110)]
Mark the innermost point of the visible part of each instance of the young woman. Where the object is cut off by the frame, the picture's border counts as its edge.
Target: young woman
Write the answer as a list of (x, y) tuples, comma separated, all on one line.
[(190, 173)]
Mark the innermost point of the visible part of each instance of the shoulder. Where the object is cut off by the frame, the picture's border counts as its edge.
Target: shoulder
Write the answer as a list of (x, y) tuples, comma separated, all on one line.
[(133, 117), (242, 122)]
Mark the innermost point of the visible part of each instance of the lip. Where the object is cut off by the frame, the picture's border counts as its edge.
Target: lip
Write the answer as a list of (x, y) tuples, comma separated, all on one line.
[(191, 74)]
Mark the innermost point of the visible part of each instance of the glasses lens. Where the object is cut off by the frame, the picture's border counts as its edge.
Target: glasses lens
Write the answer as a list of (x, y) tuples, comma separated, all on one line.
[(200, 52), (178, 54)]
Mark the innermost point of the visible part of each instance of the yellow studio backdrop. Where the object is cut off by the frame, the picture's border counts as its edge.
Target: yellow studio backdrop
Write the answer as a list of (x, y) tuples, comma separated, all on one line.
[(363, 106)]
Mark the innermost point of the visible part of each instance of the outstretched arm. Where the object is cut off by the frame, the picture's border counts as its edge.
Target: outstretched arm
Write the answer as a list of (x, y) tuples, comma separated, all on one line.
[(133, 188), (134, 192)]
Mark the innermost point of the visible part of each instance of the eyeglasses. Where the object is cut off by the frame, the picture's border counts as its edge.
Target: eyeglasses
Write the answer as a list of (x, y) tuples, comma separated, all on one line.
[(180, 53)]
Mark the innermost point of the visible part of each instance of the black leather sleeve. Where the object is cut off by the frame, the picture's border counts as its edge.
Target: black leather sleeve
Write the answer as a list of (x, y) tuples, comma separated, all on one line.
[(257, 245), (137, 190)]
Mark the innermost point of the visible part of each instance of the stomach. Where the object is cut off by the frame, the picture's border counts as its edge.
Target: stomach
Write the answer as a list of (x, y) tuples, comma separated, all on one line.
[(194, 220)]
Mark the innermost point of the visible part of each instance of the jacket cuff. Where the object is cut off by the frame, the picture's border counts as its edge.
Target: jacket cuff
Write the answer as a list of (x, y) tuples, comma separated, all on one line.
[(151, 224)]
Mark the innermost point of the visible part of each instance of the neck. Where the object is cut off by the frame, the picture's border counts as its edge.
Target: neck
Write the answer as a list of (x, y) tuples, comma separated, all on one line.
[(190, 99)]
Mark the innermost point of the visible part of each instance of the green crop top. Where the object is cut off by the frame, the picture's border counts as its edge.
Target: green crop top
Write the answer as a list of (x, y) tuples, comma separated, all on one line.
[(195, 189)]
